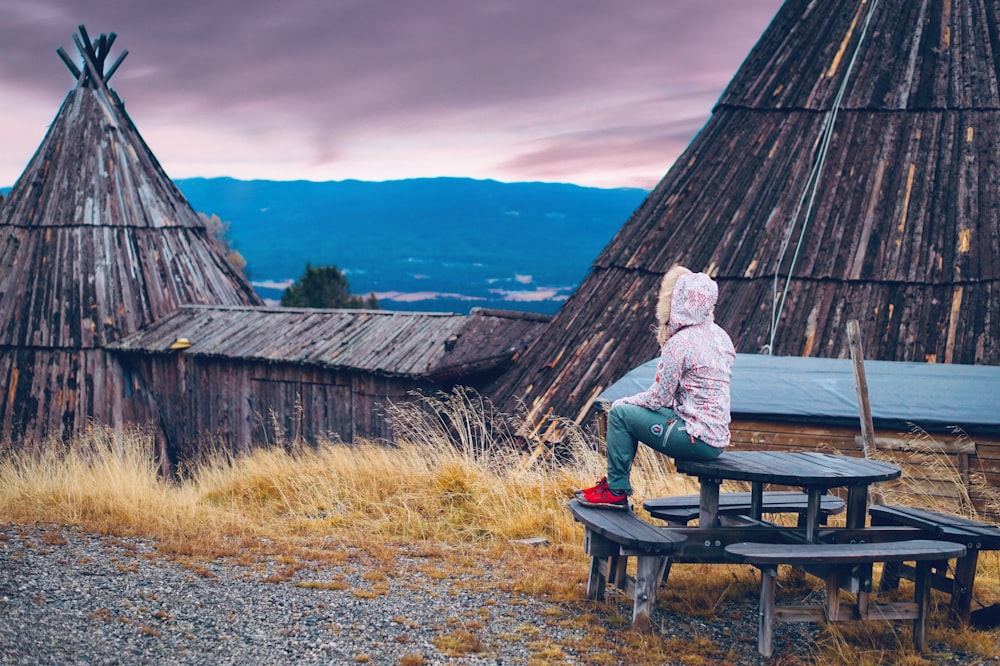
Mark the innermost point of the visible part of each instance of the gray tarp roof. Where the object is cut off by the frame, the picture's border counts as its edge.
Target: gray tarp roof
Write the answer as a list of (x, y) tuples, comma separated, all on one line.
[(926, 394)]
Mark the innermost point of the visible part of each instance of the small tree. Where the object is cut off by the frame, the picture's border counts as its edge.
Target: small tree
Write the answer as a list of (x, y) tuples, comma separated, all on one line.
[(219, 230), (324, 287)]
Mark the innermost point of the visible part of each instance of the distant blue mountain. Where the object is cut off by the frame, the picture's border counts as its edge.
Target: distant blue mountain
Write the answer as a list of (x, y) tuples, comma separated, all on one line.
[(430, 244)]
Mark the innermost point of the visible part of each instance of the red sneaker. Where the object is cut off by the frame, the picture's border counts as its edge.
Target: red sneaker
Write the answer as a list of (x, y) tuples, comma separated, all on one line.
[(601, 485), (603, 498)]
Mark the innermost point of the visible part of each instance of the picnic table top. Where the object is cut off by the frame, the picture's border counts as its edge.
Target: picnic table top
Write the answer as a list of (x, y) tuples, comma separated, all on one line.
[(806, 469)]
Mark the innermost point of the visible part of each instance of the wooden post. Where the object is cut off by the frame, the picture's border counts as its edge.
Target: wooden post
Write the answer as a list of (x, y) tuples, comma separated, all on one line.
[(599, 548), (861, 386), (618, 570), (812, 513), (965, 578), (833, 596), (922, 596), (765, 627), (73, 69), (649, 573), (596, 582)]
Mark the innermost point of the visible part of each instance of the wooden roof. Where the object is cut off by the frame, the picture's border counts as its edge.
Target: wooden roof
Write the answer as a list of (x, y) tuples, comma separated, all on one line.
[(95, 240), (433, 346), (849, 171)]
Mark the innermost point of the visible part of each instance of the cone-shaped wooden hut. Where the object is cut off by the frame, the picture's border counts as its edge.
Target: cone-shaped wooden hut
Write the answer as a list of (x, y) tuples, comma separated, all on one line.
[(119, 308), (851, 170), (95, 243)]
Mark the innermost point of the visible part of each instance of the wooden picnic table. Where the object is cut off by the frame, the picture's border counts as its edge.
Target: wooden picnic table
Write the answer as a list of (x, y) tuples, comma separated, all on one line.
[(843, 556), (813, 472)]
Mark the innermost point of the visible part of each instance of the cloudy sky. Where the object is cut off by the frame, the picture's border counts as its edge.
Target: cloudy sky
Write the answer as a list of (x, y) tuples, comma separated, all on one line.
[(595, 92)]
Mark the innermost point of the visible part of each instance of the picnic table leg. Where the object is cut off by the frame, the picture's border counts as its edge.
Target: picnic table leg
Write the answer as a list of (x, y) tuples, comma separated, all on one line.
[(812, 512), (756, 500), (708, 510), (857, 511), (965, 576), (890, 576), (596, 581), (857, 506), (921, 595), (666, 570), (890, 570), (619, 565), (864, 575), (765, 630), (649, 572), (599, 549), (833, 596)]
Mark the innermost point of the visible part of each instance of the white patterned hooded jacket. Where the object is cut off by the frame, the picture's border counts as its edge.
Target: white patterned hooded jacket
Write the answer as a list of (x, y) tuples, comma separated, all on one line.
[(696, 363)]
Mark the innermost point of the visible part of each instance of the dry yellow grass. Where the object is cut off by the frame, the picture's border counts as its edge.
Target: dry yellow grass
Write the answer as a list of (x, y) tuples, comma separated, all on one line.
[(454, 488)]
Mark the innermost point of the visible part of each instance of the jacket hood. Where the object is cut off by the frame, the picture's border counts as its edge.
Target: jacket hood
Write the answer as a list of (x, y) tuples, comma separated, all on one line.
[(663, 302), (693, 301)]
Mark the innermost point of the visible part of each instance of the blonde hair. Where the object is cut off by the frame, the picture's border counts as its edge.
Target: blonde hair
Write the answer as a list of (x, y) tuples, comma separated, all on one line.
[(663, 302)]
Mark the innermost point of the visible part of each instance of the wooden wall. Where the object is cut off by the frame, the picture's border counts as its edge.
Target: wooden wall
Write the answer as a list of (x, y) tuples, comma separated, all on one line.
[(55, 393), (204, 402), (944, 469)]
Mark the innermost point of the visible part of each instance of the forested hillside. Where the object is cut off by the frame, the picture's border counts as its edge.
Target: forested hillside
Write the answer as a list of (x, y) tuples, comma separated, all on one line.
[(422, 244)]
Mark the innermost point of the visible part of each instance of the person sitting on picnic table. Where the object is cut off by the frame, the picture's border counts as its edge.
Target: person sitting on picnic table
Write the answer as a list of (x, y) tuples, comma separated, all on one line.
[(685, 412)]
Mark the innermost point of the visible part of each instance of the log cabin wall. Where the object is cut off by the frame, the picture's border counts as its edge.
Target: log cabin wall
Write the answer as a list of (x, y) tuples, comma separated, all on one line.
[(247, 376), (946, 469), (204, 404), (53, 394)]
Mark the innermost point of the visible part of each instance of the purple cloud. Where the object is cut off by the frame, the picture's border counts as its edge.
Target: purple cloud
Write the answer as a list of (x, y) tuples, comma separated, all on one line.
[(567, 90)]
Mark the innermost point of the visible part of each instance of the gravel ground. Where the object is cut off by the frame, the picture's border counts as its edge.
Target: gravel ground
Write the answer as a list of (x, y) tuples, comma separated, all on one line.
[(68, 597)]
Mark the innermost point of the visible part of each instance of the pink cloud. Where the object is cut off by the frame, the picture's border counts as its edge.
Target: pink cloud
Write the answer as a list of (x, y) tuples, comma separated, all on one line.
[(349, 88)]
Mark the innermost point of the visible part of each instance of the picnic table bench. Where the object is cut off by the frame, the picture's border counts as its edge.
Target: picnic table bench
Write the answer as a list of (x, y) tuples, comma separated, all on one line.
[(682, 509), (612, 535), (974, 535), (855, 559)]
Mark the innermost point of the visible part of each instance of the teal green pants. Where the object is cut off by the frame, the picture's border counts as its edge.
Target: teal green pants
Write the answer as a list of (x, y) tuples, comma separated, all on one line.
[(661, 430)]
